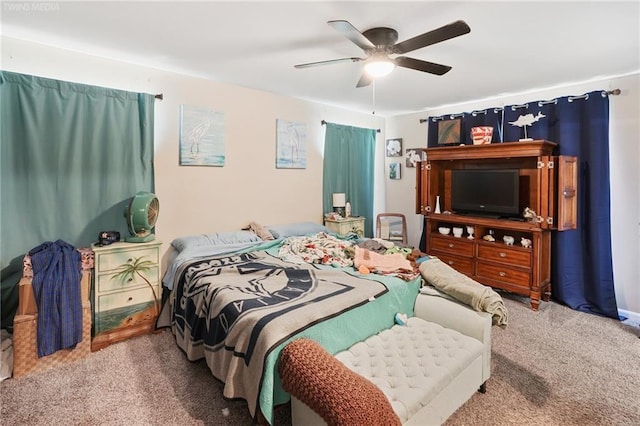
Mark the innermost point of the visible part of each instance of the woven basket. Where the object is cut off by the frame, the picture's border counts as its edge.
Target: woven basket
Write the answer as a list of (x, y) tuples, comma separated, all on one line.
[(25, 355)]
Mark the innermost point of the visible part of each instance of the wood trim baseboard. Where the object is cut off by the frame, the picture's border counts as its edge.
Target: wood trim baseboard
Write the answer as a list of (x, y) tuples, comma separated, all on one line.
[(105, 339)]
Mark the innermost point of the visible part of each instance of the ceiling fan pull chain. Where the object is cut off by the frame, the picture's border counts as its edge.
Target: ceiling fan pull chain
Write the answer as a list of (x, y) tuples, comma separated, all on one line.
[(374, 97)]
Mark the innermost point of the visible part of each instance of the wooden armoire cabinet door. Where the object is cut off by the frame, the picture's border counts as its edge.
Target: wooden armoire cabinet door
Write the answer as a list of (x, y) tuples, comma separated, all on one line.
[(567, 169), (423, 171)]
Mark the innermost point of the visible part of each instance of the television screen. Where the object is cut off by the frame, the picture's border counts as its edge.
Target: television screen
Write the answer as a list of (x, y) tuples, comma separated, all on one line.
[(486, 192)]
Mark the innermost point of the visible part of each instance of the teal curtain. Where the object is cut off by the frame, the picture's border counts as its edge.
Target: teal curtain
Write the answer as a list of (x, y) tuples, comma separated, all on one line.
[(72, 156), (349, 163)]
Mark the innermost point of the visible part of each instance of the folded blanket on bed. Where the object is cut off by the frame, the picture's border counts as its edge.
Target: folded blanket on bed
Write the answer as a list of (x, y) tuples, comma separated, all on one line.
[(468, 291), (339, 395), (382, 263)]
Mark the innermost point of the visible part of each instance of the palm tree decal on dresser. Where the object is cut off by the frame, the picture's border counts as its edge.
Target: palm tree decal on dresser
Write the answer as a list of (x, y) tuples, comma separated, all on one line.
[(137, 267)]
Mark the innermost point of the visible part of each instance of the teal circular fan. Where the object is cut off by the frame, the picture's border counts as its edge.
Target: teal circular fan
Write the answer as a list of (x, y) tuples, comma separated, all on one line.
[(142, 214)]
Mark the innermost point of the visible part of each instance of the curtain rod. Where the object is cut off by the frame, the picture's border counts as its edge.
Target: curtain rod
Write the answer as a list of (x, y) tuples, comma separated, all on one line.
[(159, 96), (324, 122), (613, 92)]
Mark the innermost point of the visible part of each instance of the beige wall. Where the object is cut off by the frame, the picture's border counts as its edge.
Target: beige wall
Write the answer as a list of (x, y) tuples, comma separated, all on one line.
[(249, 187), (625, 172), (207, 199)]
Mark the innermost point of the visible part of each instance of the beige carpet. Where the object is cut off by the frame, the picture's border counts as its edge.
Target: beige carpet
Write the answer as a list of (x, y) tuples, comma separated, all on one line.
[(552, 367), (558, 367)]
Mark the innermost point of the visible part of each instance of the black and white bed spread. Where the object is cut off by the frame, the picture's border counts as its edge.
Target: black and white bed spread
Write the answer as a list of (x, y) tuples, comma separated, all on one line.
[(234, 309)]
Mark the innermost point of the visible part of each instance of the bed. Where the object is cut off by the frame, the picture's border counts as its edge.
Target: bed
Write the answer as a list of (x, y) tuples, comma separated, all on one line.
[(237, 299)]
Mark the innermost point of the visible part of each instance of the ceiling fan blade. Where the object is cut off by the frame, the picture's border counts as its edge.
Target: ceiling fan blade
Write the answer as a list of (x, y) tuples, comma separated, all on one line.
[(352, 33), (331, 61), (365, 80), (420, 65), (443, 33)]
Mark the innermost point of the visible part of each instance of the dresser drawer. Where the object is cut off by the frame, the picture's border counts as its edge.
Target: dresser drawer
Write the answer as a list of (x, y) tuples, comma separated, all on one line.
[(344, 226), (505, 254), (503, 273), (107, 282), (460, 264), (459, 246), (126, 299), (124, 309), (111, 260)]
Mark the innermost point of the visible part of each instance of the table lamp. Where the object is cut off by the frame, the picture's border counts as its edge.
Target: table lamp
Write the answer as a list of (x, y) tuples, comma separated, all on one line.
[(339, 203)]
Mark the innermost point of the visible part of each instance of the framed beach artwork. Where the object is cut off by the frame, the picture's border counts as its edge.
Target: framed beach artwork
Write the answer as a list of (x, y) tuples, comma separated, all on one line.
[(291, 145), (394, 171), (201, 136)]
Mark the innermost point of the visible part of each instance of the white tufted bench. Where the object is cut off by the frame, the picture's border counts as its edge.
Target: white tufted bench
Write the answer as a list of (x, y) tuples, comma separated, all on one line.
[(427, 368)]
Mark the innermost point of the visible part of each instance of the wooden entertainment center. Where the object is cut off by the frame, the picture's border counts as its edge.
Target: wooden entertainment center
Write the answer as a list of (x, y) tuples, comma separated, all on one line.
[(547, 185)]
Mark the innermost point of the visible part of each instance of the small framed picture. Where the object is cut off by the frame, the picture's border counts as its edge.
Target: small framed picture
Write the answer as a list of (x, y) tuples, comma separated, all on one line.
[(291, 141), (413, 155), (394, 170), (394, 147), (449, 132)]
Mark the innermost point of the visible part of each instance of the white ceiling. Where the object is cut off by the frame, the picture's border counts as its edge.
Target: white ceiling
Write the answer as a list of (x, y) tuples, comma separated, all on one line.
[(513, 46)]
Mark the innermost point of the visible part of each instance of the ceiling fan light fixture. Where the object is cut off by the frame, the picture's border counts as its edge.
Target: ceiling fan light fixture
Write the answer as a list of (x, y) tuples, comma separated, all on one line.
[(379, 67)]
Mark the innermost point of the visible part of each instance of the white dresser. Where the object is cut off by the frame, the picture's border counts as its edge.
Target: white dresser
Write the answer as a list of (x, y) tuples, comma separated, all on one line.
[(125, 292)]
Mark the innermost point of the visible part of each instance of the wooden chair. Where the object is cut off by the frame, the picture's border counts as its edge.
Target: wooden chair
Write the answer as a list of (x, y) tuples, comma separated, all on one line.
[(391, 234)]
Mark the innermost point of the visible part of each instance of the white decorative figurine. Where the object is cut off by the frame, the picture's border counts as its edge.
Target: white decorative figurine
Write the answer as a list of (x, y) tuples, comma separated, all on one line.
[(525, 242), (470, 230), (508, 240), (527, 120), (531, 216)]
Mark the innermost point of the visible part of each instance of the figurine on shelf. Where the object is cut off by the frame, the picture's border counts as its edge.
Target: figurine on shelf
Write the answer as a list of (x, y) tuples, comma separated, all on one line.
[(508, 240), (489, 238), (525, 242), (531, 216), (470, 231)]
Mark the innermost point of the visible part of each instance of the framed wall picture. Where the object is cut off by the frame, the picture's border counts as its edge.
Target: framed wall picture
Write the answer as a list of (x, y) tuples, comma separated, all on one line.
[(394, 147), (201, 136), (413, 155), (449, 131), (291, 145), (394, 171)]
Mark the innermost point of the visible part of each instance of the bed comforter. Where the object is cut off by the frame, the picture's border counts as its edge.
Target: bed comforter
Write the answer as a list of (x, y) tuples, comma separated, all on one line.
[(239, 310)]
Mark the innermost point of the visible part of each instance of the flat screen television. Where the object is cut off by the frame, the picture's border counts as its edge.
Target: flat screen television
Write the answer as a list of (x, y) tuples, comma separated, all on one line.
[(483, 192)]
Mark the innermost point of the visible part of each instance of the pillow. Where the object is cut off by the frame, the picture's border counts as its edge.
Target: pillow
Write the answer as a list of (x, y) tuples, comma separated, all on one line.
[(260, 231), (296, 229), (214, 239)]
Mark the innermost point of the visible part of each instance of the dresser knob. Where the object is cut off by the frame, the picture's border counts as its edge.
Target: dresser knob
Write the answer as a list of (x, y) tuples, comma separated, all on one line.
[(503, 254), (129, 280), (130, 260), (451, 262), (451, 245), (502, 274), (130, 299)]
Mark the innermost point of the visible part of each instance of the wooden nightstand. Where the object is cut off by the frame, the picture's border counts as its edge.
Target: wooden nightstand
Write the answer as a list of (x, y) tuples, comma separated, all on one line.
[(123, 300), (346, 225)]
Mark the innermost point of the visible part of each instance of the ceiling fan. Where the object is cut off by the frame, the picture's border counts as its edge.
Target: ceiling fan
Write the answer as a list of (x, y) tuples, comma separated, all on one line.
[(380, 42)]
